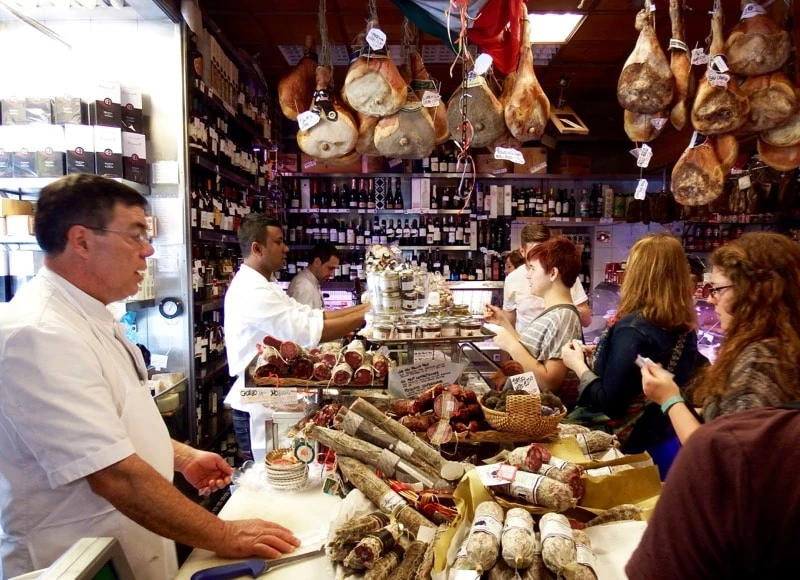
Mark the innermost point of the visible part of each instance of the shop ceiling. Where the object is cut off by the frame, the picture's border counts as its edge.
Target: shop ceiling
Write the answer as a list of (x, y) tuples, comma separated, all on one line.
[(590, 62)]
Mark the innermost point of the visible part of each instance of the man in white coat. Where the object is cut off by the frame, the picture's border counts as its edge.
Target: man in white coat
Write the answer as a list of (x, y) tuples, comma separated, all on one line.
[(83, 449), (305, 286), (255, 306)]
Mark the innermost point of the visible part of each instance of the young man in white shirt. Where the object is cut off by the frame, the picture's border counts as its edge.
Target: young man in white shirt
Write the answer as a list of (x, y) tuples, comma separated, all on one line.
[(305, 286), (256, 306), (520, 306)]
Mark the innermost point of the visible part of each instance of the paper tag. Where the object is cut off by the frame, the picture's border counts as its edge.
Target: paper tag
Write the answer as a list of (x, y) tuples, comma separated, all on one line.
[(415, 379), (751, 10), (269, 396), (488, 525), (390, 501), (585, 555), (384, 350), (526, 382), (304, 451), (482, 64), (473, 80), (376, 39), (309, 163), (645, 154), (658, 123), (641, 190), (508, 154), (425, 534), (653, 7), (693, 140), (537, 168), (395, 162), (488, 475), (675, 44), (464, 575), (431, 99), (506, 472), (716, 79), (635, 152), (551, 527), (159, 361), (718, 64), (307, 119), (699, 56), (744, 183)]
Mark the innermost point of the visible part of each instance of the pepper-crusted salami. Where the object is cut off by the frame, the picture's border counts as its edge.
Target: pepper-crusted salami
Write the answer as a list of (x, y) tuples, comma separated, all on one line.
[(518, 542), (539, 490), (370, 548), (483, 544), (384, 567), (618, 513), (341, 374), (355, 528), (558, 543), (407, 569)]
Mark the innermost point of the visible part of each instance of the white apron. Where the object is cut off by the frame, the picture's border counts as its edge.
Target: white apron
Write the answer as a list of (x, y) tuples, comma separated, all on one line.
[(151, 556)]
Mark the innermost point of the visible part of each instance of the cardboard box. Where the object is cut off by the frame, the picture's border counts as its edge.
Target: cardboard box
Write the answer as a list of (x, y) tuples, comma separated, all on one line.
[(108, 151), (106, 110), (486, 163), (574, 164), (15, 207), (38, 111), (131, 106), (535, 160), (13, 111), (79, 145), (310, 165), (69, 110), (287, 163), (49, 150), (19, 225), (134, 158), (371, 164)]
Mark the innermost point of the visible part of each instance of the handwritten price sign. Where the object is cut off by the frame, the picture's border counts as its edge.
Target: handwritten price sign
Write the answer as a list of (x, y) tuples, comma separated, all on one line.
[(269, 396)]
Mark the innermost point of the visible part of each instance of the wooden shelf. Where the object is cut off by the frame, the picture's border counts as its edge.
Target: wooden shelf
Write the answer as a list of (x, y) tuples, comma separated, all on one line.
[(501, 176), (212, 370), (210, 165), (221, 107), (214, 236)]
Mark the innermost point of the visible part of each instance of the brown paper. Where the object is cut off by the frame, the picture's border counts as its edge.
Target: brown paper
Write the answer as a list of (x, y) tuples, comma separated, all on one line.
[(630, 486), (569, 450)]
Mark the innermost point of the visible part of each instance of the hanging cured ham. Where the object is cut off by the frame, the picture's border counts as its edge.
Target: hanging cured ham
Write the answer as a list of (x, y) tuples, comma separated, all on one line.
[(366, 135), (642, 128), (780, 158), (681, 68), (756, 45), (719, 107), (697, 177), (373, 85), (527, 110), (646, 84), (408, 134), (726, 148), (335, 134), (421, 82), (484, 113), (772, 101), (296, 89), (788, 132)]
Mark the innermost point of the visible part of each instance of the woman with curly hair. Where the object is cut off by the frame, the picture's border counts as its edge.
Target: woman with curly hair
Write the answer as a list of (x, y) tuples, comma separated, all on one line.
[(756, 294)]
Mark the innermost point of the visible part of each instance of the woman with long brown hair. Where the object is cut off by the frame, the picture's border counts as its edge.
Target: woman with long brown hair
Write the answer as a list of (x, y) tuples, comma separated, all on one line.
[(655, 319), (756, 292)]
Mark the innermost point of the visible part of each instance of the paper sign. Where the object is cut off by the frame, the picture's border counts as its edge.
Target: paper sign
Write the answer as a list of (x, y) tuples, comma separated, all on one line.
[(415, 379), (473, 80), (693, 140), (307, 119), (488, 474), (641, 190), (309, 163), (635, 152), (269, 396), (653, 7), (716, 79), (159, 361), (658, 123), (431, 99), (744, 183), (376, 39), (751, 10), (645, 154), (482, 64), (384, 350), (464, 575), (508, 154), (526, 382), (506, 472), (537, 168), (699, 56)]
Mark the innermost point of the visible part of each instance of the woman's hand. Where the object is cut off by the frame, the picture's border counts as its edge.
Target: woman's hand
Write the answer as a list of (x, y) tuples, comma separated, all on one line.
[(658, 384), (572, 354), (495, 315), (504, 339)]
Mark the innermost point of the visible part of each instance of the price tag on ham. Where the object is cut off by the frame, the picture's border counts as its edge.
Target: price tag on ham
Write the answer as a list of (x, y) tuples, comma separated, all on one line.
[(699, 56), (717, 79), (744, 182), (718, 64), (526, 382), (658, 123), (431, 99), (675, 44), (641, 190), (269, 396), (482, 64), (376, 38), (307, 119), (751, 10), (508, 154), (645, 154), (412, 380)]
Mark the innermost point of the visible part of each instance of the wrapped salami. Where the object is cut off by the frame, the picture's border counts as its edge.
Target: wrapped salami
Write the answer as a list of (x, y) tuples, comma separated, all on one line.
[(381, 365), (291, 350), (342, 374), (302, 368), (355, 353), (322, 372)]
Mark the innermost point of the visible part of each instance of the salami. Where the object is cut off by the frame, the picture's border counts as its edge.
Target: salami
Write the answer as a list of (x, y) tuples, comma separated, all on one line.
[(302, 368), (270, 355), (402, 407), (290, 350), (381, 365), (363, 375), (322, 372), (417, 423), (483, 545), (529, 458), (518, 540), (539, 490), (341, 374), (355, 353), (558, 544), (271, 341)]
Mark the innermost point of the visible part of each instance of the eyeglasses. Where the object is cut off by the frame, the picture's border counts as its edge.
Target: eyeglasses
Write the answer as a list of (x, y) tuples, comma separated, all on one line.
[(139, 237), (712, 293)]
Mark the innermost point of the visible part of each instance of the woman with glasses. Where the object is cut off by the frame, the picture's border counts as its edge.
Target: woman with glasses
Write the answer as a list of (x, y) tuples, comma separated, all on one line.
[(756, 294), (655, 319)]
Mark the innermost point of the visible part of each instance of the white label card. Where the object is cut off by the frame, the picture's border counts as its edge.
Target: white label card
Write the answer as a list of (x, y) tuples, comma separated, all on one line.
[(716, 79), (653, 7), (744, 183), (431, 99), (645, 154), (719, 64), (482, 63), (641, 190), (635, 152), (415, 379), (751, 10), (508, 154), (425, 534), (699, 56), (307, 119), (159, 361), (658, 123), (269, 396), (675, 44), (376, 38), (526, 382)]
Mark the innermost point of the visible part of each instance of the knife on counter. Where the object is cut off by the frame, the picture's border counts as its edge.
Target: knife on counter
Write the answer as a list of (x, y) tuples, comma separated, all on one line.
[(254, 568)]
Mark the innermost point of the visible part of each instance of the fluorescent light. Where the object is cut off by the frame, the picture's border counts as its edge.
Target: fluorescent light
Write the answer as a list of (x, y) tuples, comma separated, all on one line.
[(554, 28)]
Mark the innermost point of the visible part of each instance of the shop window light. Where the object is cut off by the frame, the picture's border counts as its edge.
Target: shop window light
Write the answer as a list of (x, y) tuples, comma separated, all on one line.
[(554, 28)]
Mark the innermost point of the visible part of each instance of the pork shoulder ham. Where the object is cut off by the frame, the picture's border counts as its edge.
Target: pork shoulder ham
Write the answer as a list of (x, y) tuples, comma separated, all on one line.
[(646, 84), (527, 109), (407, 134), (787, 133), (723, 108), (422, 81), (780, 158), (756, 45), (681, 67), (296, 89), (484, 113), (335, 134), (772, 101), (373, 85), (697, 177)]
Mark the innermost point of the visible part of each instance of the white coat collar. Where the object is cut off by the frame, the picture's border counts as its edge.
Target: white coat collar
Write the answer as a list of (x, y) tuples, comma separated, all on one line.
[(90, 305)]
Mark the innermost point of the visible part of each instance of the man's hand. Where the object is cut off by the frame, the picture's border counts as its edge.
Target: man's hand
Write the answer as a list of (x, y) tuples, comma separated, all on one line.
[(206, 471), (247, 538)]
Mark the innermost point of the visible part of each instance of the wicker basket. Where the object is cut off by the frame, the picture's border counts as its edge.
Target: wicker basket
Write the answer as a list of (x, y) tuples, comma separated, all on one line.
[(524, 416)]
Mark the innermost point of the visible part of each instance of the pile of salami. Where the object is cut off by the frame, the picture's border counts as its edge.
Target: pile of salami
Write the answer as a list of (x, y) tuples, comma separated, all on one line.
[(441, 410), (330, 363)]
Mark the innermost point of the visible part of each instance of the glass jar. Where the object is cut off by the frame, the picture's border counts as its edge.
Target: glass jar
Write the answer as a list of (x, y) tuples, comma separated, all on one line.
[(460, 310), (450, 327), (407, 283), (470, 327), (404, 331), (389, 282), (431, 330), (382, 331), (391, 302), (409, 302)]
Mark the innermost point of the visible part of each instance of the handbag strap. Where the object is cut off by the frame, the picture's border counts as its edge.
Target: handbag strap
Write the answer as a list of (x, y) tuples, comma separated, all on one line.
[(677, 352)]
